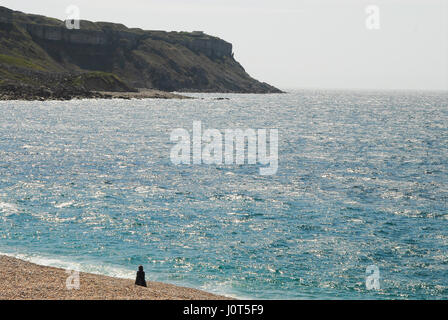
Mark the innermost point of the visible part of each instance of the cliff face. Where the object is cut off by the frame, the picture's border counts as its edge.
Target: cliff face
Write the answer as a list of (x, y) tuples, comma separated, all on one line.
[(171, 61)]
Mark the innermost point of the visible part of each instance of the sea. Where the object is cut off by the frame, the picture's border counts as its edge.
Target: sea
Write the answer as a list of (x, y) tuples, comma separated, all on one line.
[(361, 185)]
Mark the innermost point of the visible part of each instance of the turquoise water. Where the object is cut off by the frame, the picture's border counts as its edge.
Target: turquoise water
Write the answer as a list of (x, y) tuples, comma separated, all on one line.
[(362, 180)]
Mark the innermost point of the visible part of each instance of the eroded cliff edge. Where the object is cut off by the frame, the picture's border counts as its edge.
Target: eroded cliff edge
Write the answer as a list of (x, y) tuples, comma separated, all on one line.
[(35, 47)]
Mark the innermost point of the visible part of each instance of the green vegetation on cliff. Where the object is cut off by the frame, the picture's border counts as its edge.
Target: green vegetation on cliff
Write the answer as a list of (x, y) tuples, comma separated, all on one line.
[(19, 62), (102, 56), (101, 81)]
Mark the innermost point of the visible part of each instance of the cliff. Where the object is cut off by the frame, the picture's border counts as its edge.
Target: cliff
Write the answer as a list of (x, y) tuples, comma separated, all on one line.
[(169, 61)]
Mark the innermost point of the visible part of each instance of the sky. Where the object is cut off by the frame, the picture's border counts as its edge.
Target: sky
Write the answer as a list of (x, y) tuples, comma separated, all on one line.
[(333, 44)]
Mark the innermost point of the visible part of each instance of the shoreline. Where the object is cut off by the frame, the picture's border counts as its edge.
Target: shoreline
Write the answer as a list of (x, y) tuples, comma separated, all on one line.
[(142, 94), (23, 280), (16, 95)]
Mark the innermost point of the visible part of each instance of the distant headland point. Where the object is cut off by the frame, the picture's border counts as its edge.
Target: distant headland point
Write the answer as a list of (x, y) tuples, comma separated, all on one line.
[(40, 58)]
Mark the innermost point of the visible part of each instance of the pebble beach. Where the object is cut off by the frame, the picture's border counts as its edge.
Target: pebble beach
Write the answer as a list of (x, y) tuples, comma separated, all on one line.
[(22, 280)]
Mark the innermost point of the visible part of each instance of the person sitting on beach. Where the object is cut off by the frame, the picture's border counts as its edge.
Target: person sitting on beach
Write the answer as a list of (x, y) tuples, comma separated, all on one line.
[(140, 280)]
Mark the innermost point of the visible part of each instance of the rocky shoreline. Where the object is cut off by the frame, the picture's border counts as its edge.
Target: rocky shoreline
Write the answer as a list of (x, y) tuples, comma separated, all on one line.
[(63, 93), (35, 85), (12, 91), (141, 94)]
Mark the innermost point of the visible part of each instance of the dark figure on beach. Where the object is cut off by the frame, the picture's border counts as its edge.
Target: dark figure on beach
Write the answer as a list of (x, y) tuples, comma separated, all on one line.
[(140, 281)]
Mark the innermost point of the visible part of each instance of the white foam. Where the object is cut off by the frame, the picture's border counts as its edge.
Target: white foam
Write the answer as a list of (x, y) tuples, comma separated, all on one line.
[(62, 263), (65, 204), (223, 288), (8, 208)]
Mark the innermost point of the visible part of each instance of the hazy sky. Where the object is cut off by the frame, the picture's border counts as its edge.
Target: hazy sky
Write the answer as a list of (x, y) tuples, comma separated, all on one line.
[(298, 44)]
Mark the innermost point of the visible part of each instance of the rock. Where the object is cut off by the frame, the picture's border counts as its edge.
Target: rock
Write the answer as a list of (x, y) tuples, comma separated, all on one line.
[(168, 61)]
